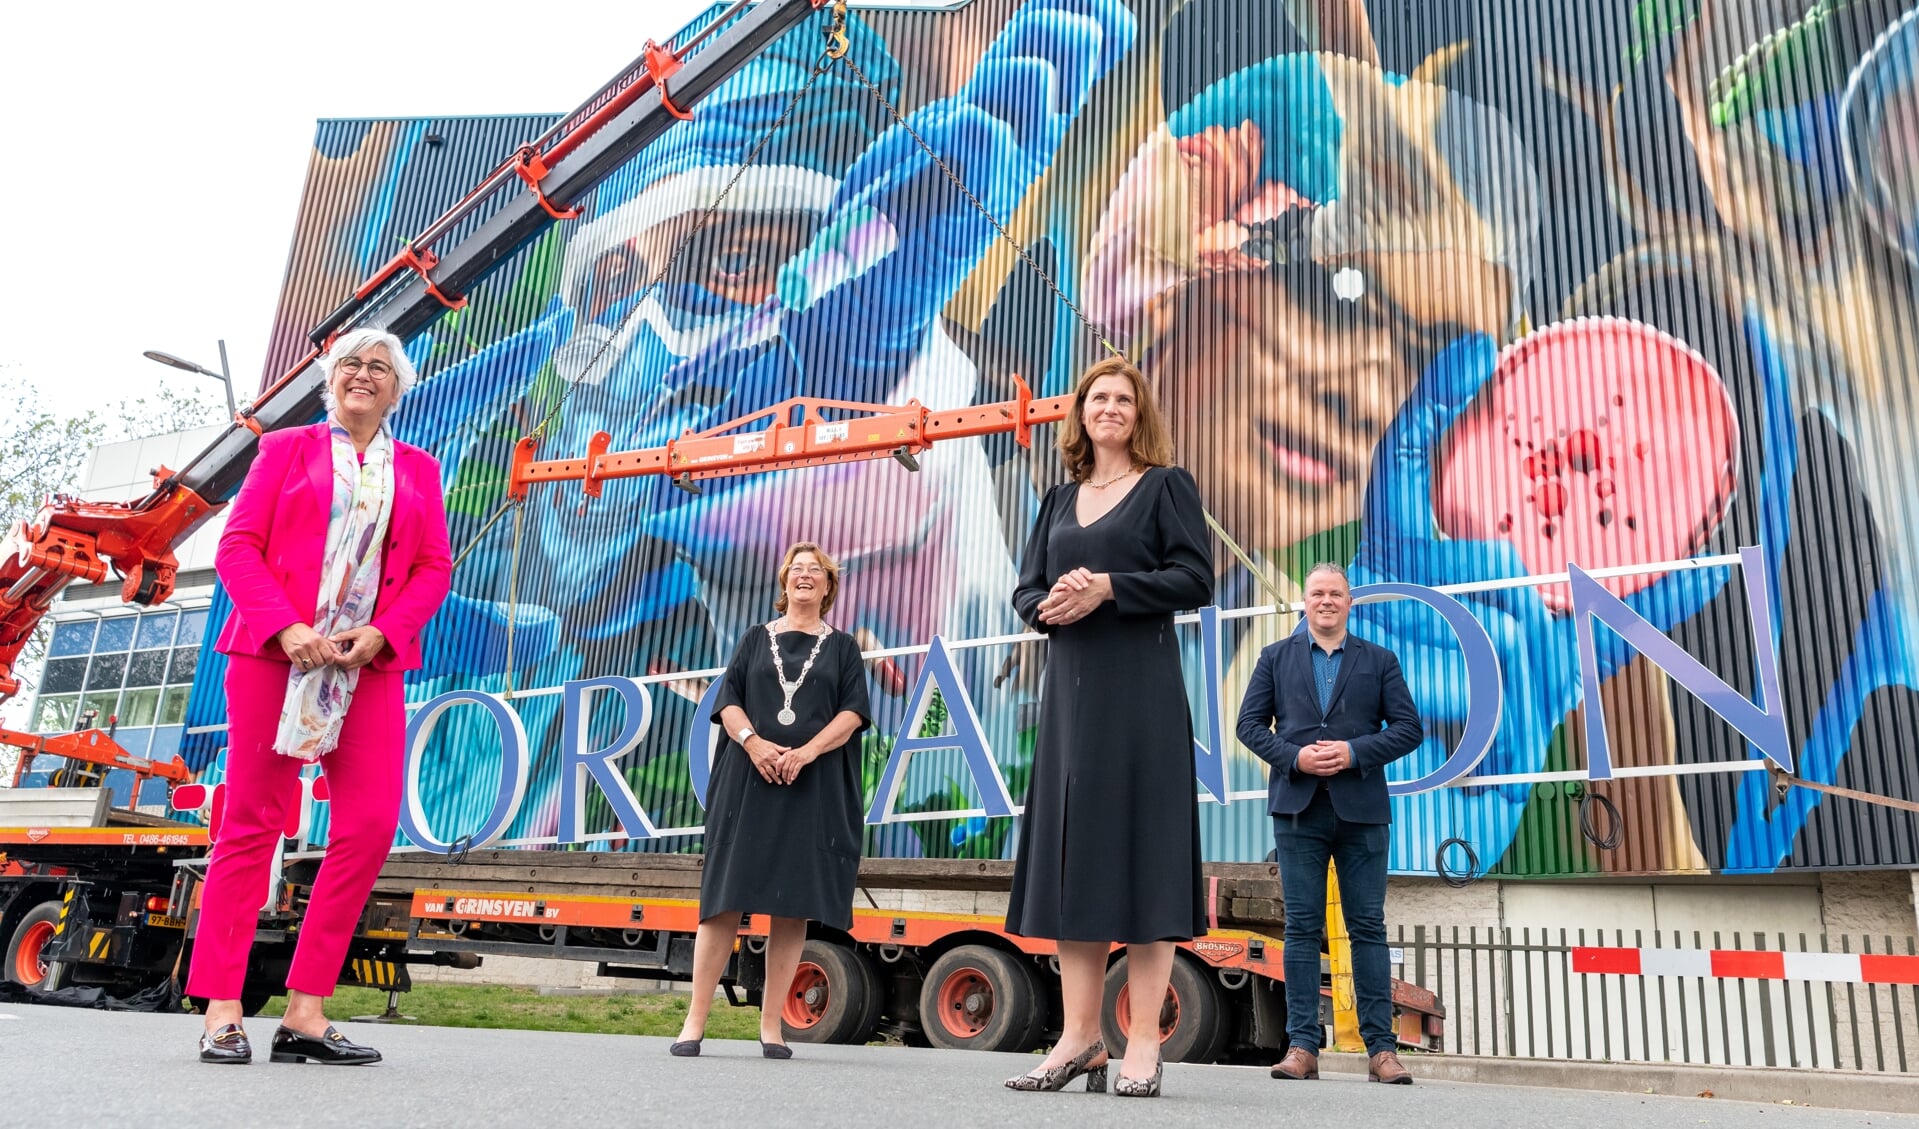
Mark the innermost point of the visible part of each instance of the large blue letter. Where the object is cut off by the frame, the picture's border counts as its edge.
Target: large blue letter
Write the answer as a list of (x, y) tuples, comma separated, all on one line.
[(704, 742), (940, 674), (577, 762), (1209, 766), (513, 769), (1763, 724), (1484, 697)]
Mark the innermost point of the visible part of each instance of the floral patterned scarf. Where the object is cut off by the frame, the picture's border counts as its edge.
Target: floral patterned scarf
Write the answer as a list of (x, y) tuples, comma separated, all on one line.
[(317, 699)]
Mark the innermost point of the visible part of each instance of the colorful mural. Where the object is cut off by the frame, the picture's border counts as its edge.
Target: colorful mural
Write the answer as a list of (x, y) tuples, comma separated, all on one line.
[(1457, 293)]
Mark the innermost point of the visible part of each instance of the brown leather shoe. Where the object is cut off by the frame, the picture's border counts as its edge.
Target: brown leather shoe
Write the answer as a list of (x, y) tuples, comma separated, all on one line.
[(1299, 1065), (1385, 1067)]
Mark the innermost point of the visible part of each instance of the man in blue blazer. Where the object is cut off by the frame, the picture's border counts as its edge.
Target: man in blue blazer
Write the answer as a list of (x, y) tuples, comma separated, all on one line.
[(1329, 711)]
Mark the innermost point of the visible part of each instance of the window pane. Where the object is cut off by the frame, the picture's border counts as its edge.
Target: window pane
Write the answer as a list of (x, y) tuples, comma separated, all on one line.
[(107, 673), (55, 715), (185, 660), (101, 705), (116, 634), (63, 676), (173, 707), (72, 639), (156, 630), (193, 626), (147, 668), (166, 743), (139, 707)]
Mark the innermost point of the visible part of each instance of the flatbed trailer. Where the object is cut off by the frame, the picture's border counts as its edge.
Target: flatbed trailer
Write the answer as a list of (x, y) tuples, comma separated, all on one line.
[(944, 977), (115, 907)]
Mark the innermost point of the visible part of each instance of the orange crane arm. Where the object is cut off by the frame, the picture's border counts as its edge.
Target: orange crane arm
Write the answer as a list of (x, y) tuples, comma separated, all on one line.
[(92, 746)]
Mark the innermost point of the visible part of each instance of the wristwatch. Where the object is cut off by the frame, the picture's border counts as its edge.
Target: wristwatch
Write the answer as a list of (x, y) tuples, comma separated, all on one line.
[(740, 737)]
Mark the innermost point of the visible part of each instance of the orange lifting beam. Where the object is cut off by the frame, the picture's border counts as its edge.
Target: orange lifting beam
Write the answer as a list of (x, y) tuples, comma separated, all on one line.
[(796, 433), (90, 746)]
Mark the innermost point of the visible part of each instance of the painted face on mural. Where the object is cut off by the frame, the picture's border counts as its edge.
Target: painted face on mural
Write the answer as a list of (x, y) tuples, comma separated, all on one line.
[(1277, 390), (734, 258)]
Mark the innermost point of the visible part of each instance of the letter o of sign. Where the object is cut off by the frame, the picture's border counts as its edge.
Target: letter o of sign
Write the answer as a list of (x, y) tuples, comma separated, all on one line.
[(513, 769), (1484, 693)]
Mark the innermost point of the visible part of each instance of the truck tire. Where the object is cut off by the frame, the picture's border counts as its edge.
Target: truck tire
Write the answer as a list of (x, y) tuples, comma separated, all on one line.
[(25, 964), (1193, 1023), (834, 997), (977, 998)]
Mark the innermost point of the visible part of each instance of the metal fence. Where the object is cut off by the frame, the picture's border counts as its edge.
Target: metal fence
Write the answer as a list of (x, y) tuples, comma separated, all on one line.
[(1520, 993)]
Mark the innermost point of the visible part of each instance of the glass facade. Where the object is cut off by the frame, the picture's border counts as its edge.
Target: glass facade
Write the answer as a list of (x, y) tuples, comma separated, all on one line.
[(133, 670)]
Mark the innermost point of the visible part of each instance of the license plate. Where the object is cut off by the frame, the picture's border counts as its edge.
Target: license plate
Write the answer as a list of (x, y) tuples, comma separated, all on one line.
[(162, 921)]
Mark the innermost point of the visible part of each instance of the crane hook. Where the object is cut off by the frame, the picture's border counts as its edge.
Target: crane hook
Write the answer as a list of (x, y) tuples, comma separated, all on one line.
[(836, 41)]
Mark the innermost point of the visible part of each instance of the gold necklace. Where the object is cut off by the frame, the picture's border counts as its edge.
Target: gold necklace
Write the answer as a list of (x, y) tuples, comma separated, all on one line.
[(1110, 481)]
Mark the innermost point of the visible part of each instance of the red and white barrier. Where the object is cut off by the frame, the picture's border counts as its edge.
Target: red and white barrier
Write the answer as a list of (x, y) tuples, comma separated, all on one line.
[(1747, 964)]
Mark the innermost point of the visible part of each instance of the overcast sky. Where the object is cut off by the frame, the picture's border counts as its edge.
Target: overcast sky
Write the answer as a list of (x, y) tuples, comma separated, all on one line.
[(157, 153)]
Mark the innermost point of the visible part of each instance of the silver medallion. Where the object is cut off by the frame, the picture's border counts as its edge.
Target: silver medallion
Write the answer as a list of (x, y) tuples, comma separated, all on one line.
[(788, 689)]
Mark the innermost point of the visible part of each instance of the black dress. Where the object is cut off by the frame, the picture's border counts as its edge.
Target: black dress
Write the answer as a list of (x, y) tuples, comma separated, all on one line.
[(790, 850), (1109, 844)]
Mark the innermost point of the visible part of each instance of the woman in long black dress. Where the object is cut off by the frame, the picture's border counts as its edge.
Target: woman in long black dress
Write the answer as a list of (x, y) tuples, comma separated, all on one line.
[(1109, 845), (783, 820)]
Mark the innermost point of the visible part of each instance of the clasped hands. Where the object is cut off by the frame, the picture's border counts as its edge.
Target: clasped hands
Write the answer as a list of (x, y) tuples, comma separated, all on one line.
[(348, 650), (778, 764), (1074, 596), (1325, 758)]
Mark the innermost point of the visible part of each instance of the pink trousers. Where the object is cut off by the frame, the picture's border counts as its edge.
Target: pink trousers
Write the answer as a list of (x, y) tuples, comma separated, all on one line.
[(364, 777)]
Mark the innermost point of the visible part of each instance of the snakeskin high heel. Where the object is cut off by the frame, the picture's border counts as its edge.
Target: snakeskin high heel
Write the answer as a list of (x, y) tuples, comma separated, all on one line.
[(1059, 1076), (1140, 1087)]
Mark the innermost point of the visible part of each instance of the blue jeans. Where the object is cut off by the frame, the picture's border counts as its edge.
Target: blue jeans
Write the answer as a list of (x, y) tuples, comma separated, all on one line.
[(1358, 852)]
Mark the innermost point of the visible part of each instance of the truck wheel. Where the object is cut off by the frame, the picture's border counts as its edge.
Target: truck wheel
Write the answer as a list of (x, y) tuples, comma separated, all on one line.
[(977, 998), (27, 965), (834, 997), (1193, 1023)]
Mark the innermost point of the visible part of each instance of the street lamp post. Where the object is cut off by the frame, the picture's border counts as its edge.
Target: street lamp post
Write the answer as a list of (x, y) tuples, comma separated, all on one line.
[(233, 409)]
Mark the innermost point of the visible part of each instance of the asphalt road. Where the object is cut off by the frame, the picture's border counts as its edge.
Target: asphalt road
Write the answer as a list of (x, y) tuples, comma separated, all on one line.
[(72, 1067)]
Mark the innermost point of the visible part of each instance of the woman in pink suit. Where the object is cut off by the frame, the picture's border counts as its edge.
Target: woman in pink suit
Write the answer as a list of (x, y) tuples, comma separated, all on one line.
[(335, 556)]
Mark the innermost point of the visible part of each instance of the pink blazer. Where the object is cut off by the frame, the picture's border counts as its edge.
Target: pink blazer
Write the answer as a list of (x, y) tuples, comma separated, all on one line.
[(270, 552)]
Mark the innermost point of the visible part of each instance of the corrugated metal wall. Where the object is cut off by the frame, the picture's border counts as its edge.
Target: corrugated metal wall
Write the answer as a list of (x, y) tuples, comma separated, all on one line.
[(1455, 292)]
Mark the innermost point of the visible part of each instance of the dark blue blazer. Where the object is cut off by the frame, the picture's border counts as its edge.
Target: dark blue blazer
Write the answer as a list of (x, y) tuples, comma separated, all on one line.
[(1371, 710)]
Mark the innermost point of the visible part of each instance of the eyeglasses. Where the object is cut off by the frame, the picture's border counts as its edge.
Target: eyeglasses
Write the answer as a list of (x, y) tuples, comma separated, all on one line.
[(807, 570), (378, 370)]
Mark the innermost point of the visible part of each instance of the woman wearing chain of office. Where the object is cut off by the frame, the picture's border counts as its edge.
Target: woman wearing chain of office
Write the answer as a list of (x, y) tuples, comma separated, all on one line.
[(783, 820)]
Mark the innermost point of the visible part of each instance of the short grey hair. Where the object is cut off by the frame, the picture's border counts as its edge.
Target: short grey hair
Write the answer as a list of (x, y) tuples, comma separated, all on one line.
[(1336, 569), (349, 344)]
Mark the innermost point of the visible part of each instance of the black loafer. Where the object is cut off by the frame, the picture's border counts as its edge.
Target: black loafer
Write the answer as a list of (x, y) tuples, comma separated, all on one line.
[(226, 1045), (685, 1048), (331, 1049)]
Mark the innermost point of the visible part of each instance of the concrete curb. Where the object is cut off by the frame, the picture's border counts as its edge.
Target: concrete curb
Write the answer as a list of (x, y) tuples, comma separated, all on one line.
[(1828, 1089)]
